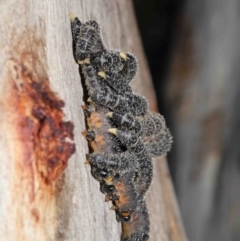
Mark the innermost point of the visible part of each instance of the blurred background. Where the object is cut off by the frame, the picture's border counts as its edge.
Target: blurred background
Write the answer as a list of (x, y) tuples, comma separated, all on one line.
[(192, 47)]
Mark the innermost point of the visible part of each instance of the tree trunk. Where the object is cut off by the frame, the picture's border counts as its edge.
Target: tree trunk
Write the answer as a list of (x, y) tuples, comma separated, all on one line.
[(204, 93), (38, 200)]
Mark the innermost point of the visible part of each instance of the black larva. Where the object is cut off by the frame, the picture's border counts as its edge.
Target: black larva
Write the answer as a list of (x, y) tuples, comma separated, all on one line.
[(147, 125), (121, 162), (132, 103), (93, 82), (86, 38), (124, 197), (138, 228), (143, 164), (120, 80), (159, 145), (125, 162)]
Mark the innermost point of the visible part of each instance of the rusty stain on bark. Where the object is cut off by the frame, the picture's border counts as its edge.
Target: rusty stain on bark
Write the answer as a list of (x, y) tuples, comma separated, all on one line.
[(40, 122)]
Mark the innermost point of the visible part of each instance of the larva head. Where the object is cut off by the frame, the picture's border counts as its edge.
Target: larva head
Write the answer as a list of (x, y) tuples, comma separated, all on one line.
[(124, 216), (100, 174), (87, 41), (108, 189), (107, 185), (89, 135), (88, 110)]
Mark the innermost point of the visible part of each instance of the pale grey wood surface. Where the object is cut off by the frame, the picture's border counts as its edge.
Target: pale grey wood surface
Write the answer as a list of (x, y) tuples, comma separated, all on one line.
[(76, 210)]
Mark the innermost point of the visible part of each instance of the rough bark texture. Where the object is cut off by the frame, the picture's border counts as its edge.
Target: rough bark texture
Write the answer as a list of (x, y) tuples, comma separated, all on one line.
[(36, 45), (204, 95)]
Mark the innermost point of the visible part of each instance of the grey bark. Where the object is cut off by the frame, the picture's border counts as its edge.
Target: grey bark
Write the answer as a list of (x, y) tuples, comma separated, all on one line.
[(204, 90)]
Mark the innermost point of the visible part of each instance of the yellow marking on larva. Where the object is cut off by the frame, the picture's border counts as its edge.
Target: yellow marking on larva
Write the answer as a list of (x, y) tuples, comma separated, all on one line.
[(71, 16), (113, 131), (102, 74), (109, 180), (80, 62), (109, 114), (87, 61), (123, 55)]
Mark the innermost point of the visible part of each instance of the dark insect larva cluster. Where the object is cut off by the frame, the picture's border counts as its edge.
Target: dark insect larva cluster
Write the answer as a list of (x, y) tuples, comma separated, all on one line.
[(123, 133)]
